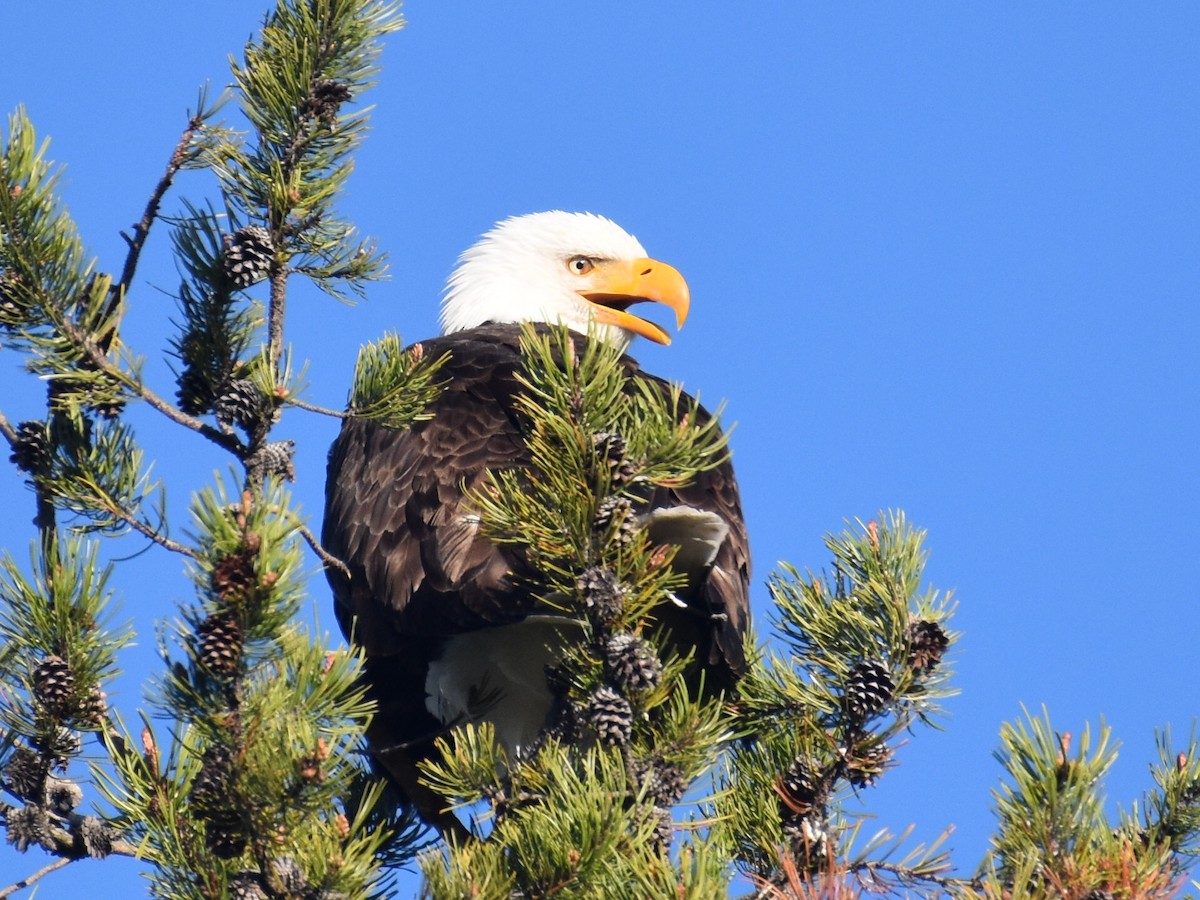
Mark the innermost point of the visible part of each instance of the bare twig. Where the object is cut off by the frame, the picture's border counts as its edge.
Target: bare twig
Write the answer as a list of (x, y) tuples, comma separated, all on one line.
[(831, 883), (127, 516), (10, 433), (142, 229), (326, 557), (275, 313), (30, 879), (908, 877), (323, 410)]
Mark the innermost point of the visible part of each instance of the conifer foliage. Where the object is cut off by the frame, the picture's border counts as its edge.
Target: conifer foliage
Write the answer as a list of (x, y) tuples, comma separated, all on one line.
[(251, 782)]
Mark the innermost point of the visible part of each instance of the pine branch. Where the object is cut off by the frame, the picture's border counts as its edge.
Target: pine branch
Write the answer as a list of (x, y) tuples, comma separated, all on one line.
[(180, 156), (393, 385), (148, 531), (877, 874), (68, 842), (326, 557), (1053, 834), (251, 796), (275, 316), (312, 407), (36, 876), (98, 358)]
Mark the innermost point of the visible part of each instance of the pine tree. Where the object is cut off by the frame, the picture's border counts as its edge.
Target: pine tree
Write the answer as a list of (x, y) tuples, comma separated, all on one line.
[(257, 787), (257, 784)]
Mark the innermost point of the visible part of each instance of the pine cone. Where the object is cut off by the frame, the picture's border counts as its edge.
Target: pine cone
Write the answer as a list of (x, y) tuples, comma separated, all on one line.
[(562, 722), (233, 579), (211, 786), (247, 886), (241, 403), (276, 460), (62, 795), (863, 769), (28, 826), (809, 842), (220, 644), (663, 828), (54, 684), (106, 401), (288, 875), (632, 663), (1190, 795), (610, 716), (616, 512), (109, 408), (869, 689), (195, 392), (223, 833), (601, 592), (665, 783), (94, 708), (927, 642), (801, 789), (25, 774), (60, 748), (248, 255), (610, 455), (97, 837), (327, 97), (32, 452)]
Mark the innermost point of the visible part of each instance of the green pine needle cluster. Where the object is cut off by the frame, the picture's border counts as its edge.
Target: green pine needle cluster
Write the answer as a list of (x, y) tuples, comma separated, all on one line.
[(61, 612), (44, 272), (565, 824), (310, 60), (217, 327), (55, 306), (864, 662), (98, 473), (1054, 837), (59, 652), (596, 436), (271, 724), (393, 386)]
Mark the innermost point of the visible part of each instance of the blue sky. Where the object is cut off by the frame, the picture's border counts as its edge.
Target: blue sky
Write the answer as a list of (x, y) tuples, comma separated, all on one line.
[(943, 257)]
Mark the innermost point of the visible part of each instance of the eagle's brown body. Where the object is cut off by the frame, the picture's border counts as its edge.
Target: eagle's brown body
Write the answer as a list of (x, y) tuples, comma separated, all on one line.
[(421, 572)]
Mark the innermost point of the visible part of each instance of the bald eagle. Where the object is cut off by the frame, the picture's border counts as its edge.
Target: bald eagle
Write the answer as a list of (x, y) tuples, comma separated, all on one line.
[(445, 615)]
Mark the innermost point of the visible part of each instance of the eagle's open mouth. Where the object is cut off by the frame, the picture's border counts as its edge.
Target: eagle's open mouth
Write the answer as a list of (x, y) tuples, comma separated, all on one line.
[(620, 302), (611, 310)]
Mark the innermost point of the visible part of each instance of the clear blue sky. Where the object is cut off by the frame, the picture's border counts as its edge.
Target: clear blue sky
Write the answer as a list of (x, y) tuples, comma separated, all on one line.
[(943, 257)]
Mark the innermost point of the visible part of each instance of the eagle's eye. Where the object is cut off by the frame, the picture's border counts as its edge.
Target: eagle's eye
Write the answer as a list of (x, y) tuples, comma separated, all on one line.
[(580, 265)]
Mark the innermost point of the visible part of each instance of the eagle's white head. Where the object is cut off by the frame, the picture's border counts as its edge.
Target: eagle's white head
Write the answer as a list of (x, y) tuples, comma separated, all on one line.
[(575, 268)]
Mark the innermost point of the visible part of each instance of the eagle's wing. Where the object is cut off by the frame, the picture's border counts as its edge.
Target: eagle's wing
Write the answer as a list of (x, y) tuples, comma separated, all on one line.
[(723, 594), (719, 601), (395, 511)]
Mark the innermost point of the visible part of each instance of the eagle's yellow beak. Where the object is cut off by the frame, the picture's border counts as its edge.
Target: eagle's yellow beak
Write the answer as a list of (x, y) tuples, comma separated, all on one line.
[(618, 284)]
